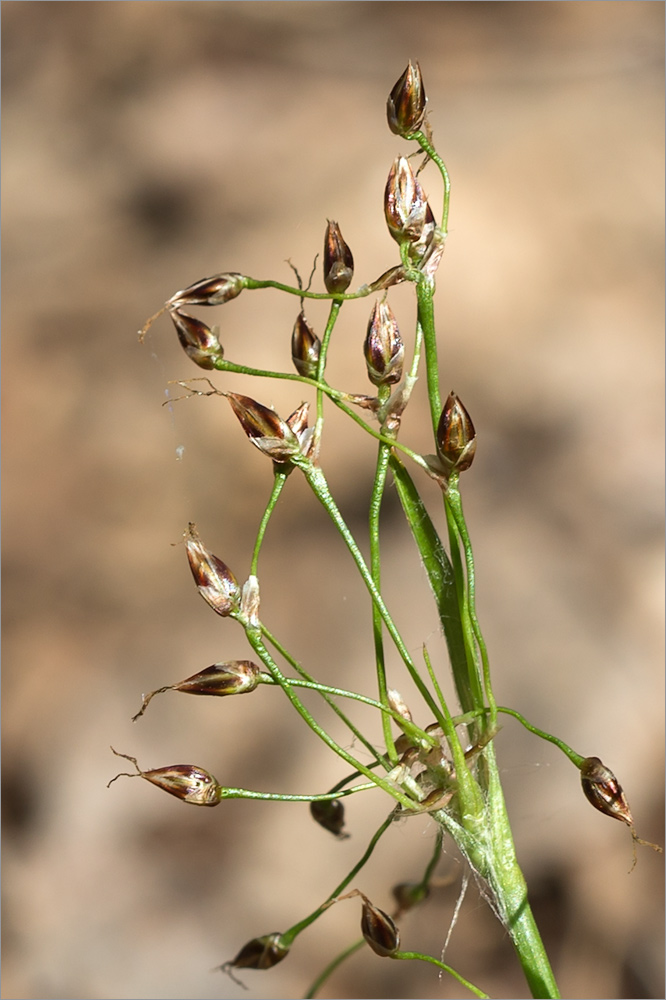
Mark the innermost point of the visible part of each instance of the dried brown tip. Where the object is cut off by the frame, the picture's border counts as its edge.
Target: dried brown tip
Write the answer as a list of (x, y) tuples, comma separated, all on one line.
[(260, 953), (213, 291), (604, 791), (406, 104), (405, 204), (338, 261), (379, 930)]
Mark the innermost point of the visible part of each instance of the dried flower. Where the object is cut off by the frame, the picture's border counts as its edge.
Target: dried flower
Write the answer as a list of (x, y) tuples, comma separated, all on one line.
[(406, 104), (268, 432), (338, 260), (330, 814), (215, 581), (197, 340), (604, 791), (384, 350), (209, 291), (379, 930), (219, 680), (409, 894), (456, 437), (405, 204), (305, 347), (186, 781), (260, 953)]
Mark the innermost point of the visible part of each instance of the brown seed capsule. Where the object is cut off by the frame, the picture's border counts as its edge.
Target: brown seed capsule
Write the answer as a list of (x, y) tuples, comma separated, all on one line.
[(219, 680), (305, 347), (192, 784), (215, 581), (260, 953), (406, 104), (379, 930), (210, 291), (456, 437), (604, 791), (338, 260), (197, 340), (384, 350), (405, 204), (268, 432), (331, 815)]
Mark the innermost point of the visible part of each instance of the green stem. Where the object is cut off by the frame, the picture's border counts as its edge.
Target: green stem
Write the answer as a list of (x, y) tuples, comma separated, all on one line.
[(426, 314), (416, 955), (280, 478), (319, 486), (378, 487), (289, 936), (321, 367)]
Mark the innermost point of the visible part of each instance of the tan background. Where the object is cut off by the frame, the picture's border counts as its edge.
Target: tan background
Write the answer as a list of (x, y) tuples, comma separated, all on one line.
[(147, 145)]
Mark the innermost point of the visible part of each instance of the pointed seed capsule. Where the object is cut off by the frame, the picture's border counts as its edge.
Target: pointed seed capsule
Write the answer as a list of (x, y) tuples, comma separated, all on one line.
[(604, 791), (338, 260), (379, 930), (456, 437), (209, 291), (215, 581), (331, 815), (260, 953), (384, 350), (409, 894), (405, 204), (219, 680), (197, 340), (406, 104), (192, 784), (305, 347), (265, 429)]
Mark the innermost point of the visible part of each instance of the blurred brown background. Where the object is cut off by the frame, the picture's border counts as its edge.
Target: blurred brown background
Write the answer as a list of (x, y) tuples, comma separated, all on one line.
[(147, 145)]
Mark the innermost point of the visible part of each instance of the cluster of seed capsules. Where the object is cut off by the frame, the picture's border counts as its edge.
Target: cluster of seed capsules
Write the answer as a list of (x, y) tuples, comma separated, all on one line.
[(412, 224)]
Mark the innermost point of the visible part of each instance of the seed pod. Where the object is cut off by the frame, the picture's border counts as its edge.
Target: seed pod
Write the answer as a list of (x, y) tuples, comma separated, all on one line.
[(406, 104), (219, 680), (604, 791), (210, 291), (338, 260), (379, 930), (331, 815), (215, 581), (192, 784), (197, 340), (268, 432), (456, 437), (305, 347), (405, 204), (260, 953), (384, 350)]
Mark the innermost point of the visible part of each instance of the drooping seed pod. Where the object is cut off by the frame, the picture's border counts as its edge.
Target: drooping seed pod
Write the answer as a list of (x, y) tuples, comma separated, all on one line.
[(405, 204), (456, 437), (305, 347), (406, 104), (379, 930), (604, 791), (338, 261), (213, 291), (331, 815), (383, 348), (197, 340), (218, 680), (187, 782), (259, 953), (265, 429), (215, 581)]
